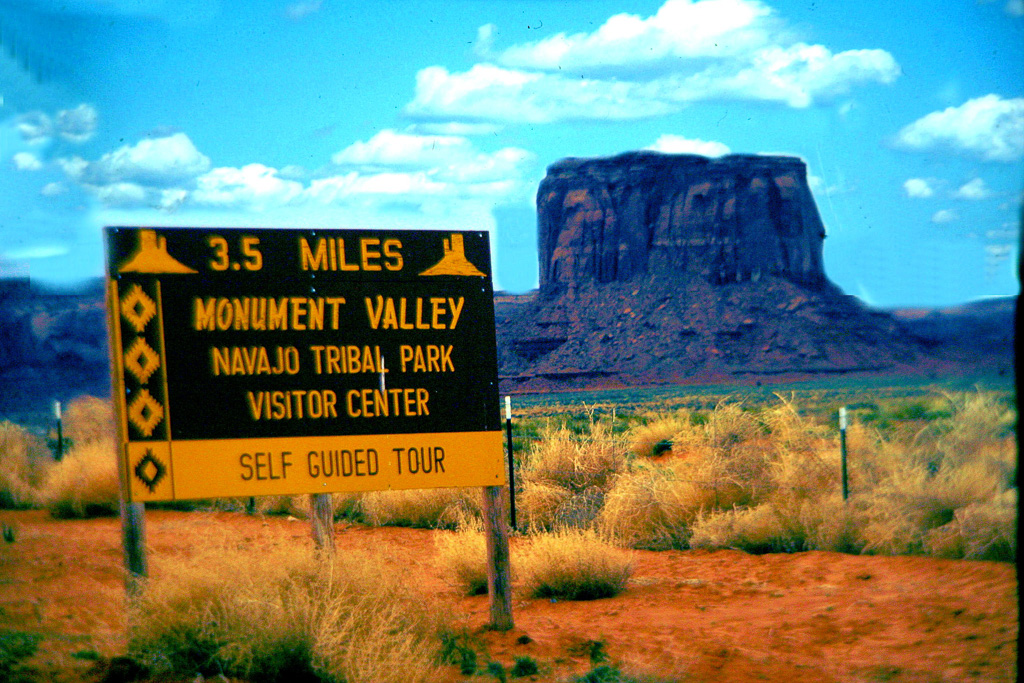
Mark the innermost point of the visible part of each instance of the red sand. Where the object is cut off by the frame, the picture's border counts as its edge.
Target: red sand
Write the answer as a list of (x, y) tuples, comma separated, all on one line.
[(686, 615)]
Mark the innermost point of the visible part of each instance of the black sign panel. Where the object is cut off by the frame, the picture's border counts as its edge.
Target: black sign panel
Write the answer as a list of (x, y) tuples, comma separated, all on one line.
[(248, 333)]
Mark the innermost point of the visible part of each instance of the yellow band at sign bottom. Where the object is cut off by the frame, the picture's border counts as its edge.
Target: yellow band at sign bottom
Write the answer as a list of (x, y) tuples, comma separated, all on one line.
[(180, 470)]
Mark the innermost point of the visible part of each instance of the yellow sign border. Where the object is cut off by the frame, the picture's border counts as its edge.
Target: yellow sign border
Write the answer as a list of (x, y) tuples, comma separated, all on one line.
[(314, 464)]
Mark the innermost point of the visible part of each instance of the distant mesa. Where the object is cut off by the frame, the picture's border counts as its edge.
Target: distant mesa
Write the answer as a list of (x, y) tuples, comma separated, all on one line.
[(675, 268), (152, 257), (731, 219), (454, 261)]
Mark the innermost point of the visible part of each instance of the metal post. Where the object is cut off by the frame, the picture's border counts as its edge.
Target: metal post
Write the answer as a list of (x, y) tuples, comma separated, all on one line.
[(511, 464), (842, 450), (60, 431)]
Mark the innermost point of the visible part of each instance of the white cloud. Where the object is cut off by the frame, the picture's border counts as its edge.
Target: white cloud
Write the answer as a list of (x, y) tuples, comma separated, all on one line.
[(427, 165), (78, 124), (53, 189), (159, 162), (484, 40), (73, 167), (634, 67), (26, 161), (676, 144), (1008, 231), (171, 199), (453, 128), (390, 148), (996, 255), (800, 74), (391, 168), (37, 252), (35, 127), (819, 185), (301, 10), (945, 216), (74, 125), (974, 190), (988, 127), (918, 188), (123, 194), (489, 93), (254, 186), (679, 29), (1015, 8)]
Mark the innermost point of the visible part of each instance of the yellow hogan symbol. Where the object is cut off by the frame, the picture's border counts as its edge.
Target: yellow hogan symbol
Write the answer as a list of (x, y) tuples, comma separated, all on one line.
[(152, 257), (454, 261)]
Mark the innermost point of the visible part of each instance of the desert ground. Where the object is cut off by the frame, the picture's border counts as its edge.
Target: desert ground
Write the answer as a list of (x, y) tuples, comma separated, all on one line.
[(691, 615)]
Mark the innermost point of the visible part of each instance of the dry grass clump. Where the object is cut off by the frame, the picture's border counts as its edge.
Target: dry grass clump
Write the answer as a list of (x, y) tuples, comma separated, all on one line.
[(651, 507), (574, 564), (421, 508), (88, 419), (84, 483), (989, 530), (540, 504), (565, 477), (980, 427), (285, 617), (729, 427), (771, 480), (783, 525), (24, 462), (756, 530), (576, 463), (463, 554), (657, 435), (953, 492)]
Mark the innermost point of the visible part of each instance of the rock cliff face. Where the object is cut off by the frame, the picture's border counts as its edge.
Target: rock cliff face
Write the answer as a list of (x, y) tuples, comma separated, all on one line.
[(660, 268), (52, 346), (732, 219)]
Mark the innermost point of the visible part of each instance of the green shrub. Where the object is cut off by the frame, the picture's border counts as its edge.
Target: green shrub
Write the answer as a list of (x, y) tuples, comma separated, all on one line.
[(524, 666), (15, 646), (459, 648)]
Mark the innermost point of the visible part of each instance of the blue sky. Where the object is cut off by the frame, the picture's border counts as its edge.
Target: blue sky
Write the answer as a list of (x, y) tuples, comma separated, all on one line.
[(444, 115)]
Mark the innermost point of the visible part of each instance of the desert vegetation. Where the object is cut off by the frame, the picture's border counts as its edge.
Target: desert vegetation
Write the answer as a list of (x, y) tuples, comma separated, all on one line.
[(290, 617), (928, 475), (934, 476)]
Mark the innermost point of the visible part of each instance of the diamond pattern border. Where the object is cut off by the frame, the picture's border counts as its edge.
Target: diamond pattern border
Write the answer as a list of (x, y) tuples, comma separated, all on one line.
[(141, 360), (145, 412), (150, 470), (137, 308)]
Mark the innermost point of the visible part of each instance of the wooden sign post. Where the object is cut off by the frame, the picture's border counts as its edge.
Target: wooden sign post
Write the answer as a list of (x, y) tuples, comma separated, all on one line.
[(251, 362)]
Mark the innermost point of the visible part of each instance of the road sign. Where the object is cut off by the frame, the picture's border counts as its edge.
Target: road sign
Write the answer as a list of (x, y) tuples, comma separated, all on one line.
[(270, 361)]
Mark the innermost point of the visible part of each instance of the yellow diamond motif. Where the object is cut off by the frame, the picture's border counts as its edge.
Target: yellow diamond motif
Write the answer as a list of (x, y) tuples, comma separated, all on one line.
[(137, 308), (141, 360), (145, 412)]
